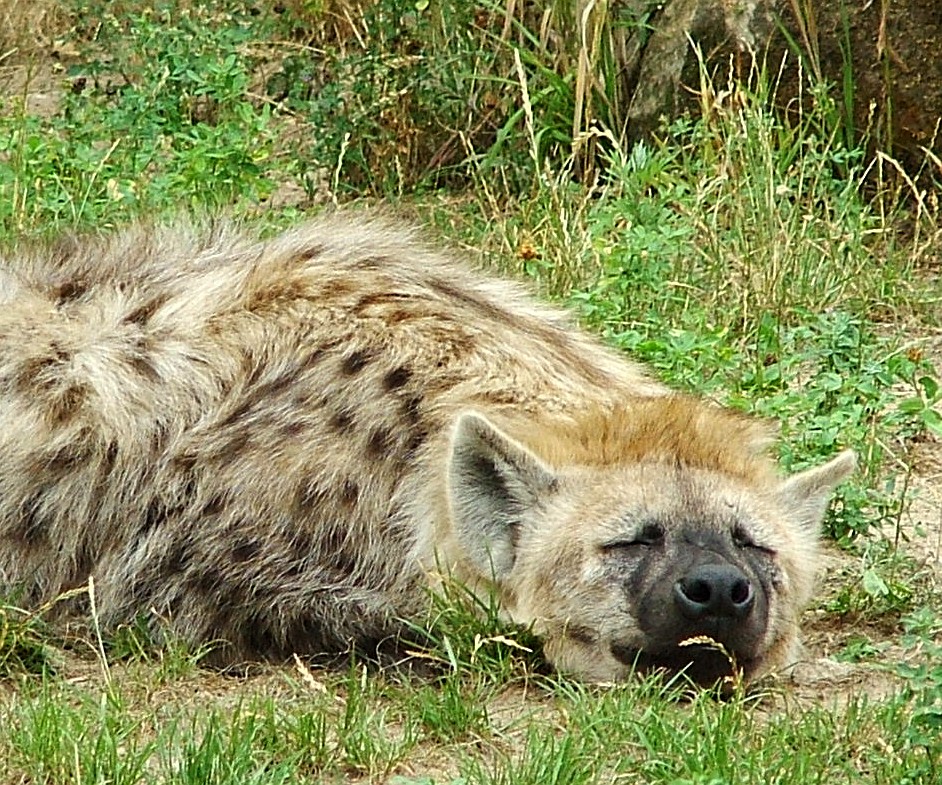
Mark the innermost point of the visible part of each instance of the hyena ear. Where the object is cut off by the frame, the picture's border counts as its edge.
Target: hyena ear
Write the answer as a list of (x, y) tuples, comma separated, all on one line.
[(808, 493), (492, 482)]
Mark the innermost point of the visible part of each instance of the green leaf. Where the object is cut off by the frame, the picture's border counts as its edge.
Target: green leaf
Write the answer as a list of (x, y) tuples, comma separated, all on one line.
[(930, 386), (874, 585), (933, 421), (912, 405)]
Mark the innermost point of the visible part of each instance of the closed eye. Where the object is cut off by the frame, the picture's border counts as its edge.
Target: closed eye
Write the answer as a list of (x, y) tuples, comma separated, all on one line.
[(743, 539), (650, 535)]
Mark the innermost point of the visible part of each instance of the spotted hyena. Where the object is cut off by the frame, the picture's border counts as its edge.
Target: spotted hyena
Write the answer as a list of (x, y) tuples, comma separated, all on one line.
[(278, 444)]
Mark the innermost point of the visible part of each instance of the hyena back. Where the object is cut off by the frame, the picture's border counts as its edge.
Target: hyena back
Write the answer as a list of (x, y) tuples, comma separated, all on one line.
[(278, 444)]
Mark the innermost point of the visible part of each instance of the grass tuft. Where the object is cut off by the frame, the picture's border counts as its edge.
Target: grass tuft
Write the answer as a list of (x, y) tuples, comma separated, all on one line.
[(23, 646)]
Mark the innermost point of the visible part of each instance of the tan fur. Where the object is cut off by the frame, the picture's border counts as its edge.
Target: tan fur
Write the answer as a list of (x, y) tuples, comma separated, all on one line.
[(276, 443)]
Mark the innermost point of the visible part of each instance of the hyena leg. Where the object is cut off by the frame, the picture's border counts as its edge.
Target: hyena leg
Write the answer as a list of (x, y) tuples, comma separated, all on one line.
[(248, 610)]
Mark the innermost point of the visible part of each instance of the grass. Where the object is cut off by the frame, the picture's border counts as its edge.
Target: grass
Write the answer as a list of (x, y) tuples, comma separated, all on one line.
[(756, 260), (360, 728), (22, 640)]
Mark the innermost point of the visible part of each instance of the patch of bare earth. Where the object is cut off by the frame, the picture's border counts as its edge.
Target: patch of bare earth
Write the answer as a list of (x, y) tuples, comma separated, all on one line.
[(33, 52)]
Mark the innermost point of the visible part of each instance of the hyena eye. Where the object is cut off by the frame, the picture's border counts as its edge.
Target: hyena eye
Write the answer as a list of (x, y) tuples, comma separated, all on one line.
[(650, 534), (743, 539)]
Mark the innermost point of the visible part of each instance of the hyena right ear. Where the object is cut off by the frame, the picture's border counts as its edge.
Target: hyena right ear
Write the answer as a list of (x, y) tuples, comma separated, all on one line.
[(492, 482), (808, 493)]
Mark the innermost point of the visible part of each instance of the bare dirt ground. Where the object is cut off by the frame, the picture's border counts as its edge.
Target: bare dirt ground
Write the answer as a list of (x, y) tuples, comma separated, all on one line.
[(38, 87)]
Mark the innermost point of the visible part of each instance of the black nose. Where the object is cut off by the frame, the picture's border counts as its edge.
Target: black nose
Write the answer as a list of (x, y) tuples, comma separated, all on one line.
[(714, 590)]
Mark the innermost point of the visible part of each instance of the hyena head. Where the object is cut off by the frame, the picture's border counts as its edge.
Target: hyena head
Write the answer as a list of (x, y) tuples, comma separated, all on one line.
[(624, 546)]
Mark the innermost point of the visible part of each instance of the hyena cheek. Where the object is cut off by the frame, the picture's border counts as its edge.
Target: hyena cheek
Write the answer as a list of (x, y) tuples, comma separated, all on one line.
[(582, 653)]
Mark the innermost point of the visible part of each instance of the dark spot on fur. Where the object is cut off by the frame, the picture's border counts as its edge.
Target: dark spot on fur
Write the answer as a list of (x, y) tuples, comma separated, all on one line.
[(584, 635), (69, 291), (336, 552), (41, 375), (180, 504), (276, 386), (312, 358), (372, 263), (177, 559), (184, 462), (158, 439), (65, 460), (293, 428), (251, 367), (262, 393), (234, 447), (307, 253), (502, 397), (304, 400), (396, 378), (238, 412), (205, 581), (33, 375), (342, 421), (31, 527), (342, 561), (187, 493), (64, 406), (269, 295), (110, 457), (379, 298), (378, 443), (315, 355), (310, 496), (144, 367), (355, 362), (337, 288), (144, 312), (244, 550), (153, 516), (411, 409), (214, 506), (401, 315), (350, 493), (482, 306), (416, 440), (294, 569)]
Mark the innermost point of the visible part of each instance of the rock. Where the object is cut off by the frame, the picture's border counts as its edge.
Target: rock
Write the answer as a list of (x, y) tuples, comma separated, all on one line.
[(882, 60)]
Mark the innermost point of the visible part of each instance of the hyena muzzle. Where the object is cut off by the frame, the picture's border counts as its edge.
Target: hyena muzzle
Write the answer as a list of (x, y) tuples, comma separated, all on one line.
[(279, 446)]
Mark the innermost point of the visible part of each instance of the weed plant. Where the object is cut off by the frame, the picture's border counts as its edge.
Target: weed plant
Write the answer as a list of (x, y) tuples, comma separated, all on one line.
[(23, 641)]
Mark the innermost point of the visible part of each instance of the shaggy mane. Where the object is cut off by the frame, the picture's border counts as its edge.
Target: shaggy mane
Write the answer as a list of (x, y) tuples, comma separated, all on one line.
[(672, 429)]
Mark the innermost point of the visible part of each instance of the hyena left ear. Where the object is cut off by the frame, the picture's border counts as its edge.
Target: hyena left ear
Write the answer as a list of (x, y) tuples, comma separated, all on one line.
[(492, 482), (808, 493)]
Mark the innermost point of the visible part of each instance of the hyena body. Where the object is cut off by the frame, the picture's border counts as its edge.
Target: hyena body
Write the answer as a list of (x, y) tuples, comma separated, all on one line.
[(279, 444)]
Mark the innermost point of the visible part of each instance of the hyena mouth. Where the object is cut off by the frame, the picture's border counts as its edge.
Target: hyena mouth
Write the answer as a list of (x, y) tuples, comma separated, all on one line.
[(705, 664)]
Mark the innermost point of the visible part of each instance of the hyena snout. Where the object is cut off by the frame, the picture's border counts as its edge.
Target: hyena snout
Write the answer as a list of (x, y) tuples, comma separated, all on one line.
[(719, 591), (705, 598)]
